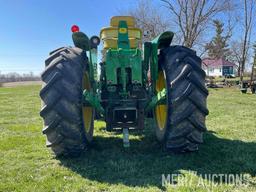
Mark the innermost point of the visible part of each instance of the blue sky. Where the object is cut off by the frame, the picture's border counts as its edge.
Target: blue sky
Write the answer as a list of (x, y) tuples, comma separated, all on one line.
[(30, 29)]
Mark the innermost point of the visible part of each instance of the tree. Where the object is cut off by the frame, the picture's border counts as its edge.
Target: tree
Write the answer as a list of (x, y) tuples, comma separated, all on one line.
[(236, 53), (192, 17), (248, 10), (149, 19), (218, 47), (254, 63)]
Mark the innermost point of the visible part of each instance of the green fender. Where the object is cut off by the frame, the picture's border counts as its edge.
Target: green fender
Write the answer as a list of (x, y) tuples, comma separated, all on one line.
[(151, 54), (160, 42)]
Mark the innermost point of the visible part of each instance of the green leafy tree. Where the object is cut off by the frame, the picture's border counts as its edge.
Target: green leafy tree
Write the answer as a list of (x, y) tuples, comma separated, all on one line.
[(218, 47)]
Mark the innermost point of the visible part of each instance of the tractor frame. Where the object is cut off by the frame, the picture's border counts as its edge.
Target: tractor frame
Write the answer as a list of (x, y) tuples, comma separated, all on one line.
[(118, 106)]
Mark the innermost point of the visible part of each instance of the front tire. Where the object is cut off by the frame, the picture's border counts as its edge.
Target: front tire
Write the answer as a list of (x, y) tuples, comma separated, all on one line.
[(68, 124), (180, 121)]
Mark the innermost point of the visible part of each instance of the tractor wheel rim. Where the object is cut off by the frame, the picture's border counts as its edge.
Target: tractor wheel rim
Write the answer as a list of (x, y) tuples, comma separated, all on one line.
[(161, 109), (87, 111)]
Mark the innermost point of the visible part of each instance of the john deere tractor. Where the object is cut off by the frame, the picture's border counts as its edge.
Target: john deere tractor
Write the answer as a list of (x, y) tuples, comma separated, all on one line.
[(133, 82)]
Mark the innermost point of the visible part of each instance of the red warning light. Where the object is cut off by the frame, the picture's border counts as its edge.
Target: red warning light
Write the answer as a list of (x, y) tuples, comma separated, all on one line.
[(75, 28)]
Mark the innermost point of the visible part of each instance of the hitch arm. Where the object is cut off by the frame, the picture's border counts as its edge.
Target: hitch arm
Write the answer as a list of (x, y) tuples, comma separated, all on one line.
[(93, 100), (159, 98)]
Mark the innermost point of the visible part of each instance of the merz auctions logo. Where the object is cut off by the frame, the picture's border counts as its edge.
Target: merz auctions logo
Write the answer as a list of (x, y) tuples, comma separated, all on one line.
[(178, 179)]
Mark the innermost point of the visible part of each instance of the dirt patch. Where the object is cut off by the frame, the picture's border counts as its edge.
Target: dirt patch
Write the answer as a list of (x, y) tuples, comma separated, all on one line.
[(21, 83)]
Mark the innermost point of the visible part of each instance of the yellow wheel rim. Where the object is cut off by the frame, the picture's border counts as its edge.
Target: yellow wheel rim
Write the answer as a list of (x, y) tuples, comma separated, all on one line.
[(87, 111), (161, 109)]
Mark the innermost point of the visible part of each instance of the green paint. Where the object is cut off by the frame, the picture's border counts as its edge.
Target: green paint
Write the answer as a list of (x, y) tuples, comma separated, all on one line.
[(123, 40), (123, 77), (160, 42), (125, 59), (81, 40), (93, 101), (158, 99), (94, 60)]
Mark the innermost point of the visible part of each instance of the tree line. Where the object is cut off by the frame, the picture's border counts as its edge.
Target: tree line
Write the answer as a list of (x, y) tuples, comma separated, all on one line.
[(14, 77)]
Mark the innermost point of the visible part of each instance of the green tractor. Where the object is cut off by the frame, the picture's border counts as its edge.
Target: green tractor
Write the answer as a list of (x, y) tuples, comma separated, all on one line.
[(135, 82)]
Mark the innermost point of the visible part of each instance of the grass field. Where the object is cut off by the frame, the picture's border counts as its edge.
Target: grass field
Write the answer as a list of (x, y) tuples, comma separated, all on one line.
[(27, 165)]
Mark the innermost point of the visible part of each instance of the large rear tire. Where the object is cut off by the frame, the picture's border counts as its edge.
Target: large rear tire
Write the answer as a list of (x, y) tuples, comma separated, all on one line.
[(180, 121), (68, 124)]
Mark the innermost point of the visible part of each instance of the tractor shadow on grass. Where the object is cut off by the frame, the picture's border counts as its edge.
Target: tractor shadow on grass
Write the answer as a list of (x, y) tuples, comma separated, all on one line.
[(144, 162)]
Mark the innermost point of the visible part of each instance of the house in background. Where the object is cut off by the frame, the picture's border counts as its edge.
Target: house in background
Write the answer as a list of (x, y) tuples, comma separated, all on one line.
[(218, 67)]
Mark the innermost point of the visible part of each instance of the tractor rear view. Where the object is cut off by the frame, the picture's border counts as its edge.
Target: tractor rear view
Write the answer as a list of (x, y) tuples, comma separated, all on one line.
[(135, 80)]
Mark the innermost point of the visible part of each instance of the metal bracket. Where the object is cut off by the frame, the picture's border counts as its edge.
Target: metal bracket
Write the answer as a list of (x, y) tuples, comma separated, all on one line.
[(160, 97), (93, 101), (126, 142)]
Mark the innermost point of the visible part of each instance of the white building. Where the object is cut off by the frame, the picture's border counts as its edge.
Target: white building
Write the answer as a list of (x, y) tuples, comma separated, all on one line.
[(218, 67)]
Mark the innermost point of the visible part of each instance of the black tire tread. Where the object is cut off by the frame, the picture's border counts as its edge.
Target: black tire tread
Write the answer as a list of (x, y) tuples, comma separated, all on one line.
[(186, 94), (61, 105)]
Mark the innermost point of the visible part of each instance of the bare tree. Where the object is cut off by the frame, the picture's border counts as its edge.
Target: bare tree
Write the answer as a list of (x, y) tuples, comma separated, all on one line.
[(248, 10), (236, 49), (149, 19), (192, 17), (253, 72)]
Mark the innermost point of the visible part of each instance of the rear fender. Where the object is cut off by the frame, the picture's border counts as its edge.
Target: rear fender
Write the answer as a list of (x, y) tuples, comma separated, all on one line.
[(151, 50)]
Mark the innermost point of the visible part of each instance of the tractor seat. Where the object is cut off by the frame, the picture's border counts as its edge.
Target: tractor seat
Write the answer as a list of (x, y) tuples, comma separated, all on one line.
[(109, 35)]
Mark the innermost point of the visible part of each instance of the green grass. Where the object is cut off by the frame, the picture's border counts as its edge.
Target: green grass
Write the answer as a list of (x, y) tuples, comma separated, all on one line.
[(27, 165)]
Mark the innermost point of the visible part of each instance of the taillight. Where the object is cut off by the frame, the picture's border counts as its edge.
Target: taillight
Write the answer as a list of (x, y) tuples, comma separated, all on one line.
[(75, 28)]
